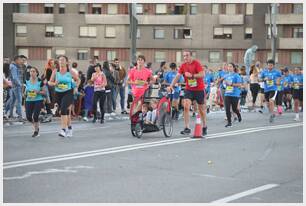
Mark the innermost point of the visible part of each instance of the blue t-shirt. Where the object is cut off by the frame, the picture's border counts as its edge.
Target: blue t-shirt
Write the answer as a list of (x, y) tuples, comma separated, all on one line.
[(280, 87), (208, 79), (222, 74), (297, 79), (64, 82), (287, 81), (269, 78), (30, 87), (169, 76), (232, 91)]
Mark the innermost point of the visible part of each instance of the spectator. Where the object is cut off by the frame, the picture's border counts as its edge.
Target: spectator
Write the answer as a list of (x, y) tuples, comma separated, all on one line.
[(108, 89), (91, 68), (88, 99), (115, 88), (122, 84)]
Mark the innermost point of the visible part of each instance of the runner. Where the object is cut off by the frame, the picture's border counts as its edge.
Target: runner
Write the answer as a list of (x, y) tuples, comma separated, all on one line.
[(139, 77), (221, 75), (208, 80), (175, 95), (254, 84), (62, 80), (100, 82), (193, 74), (297, 91), (279, 96), (34, 99), (287, 89), (233, 82), (271, 78)]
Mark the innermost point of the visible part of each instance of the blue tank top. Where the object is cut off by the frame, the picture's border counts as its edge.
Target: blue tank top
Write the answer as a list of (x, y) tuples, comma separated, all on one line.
[(31, 95), (64, 82)]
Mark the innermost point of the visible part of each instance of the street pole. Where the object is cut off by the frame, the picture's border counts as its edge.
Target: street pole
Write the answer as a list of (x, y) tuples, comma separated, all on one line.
[(273, 29), (133, 32)]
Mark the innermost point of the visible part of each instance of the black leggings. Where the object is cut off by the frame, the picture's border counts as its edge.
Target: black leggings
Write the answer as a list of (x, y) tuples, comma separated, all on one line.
[(64, 100), (254, 90), (33, 109), (234, 102), (279, 98), (99, 96)]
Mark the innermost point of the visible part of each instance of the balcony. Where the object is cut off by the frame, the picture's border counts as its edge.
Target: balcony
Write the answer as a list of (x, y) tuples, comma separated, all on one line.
[(286, 19), (33, 18), (228, 19), (161, 19), (291, 43), (107, 19)]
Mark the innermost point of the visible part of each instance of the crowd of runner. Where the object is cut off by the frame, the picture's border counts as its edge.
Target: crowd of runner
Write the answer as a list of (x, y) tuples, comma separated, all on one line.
[(62, 90)]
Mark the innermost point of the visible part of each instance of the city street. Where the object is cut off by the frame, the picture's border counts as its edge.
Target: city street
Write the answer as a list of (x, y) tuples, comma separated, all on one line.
[(254, 161)]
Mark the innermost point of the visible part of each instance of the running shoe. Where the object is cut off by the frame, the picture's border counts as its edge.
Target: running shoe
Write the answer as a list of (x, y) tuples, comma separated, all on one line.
[(62, 133), (297, 119), (204, 131), (228, 125), (85, 119), (69, 133), (186, 131), (272, 116), (36, 133)]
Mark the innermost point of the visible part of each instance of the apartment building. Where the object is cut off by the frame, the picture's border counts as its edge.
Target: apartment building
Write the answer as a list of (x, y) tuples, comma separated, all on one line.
[(215, 33)]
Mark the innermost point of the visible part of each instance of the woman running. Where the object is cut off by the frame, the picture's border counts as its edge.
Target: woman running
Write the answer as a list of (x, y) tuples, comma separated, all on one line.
[(297, 91), (99, 80), (34, 99), (62, 80), (254, 84)]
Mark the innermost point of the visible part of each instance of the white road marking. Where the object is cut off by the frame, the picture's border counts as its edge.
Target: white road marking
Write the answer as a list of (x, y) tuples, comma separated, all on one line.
[(113, 150), (245, 193)]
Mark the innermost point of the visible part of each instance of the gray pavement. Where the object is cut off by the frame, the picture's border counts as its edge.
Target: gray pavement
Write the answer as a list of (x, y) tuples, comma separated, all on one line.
[(104, 163)]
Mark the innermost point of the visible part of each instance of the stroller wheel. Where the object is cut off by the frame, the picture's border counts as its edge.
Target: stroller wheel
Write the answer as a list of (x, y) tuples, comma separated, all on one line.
[(138, 130), (167, 125)]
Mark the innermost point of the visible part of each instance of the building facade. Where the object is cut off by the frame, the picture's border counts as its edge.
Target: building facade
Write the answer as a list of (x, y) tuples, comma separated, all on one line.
[(215, 33)]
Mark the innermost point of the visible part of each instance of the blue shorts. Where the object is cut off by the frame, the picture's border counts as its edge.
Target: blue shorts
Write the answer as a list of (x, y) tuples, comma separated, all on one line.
[(175, 96)]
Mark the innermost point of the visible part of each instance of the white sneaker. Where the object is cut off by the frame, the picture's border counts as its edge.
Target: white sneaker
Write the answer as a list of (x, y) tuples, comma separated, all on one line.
[(296, 119), (62, 133), (106, 115), (69, 133), (113, 114), (85, 119)]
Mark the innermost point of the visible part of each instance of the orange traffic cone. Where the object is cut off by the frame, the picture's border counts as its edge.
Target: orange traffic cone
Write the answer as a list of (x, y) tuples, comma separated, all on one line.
[(198, 128)]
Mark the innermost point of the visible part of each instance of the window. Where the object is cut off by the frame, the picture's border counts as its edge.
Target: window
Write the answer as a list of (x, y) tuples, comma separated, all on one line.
[(193, 9), (229, 56), (21, 30), (185, 33), (24, 52), (298, 8), (179, 9), (222, 33), (82, 8), (23, 8), (269, 32), (298, 32), (54, 31), (96, 9), (159, 34), (82, 55), (296, 57), (269, 56), (139, 9), (111, 55), (248, 33), (61, 9), (48, 8), (249, 9), (230, 9), (49, 53), (110, 31), (215, 9), (178, 56), (112, 9), (214, 57), (161, 8), (96, 54), (60, 52), (160, 56), (88, 31)]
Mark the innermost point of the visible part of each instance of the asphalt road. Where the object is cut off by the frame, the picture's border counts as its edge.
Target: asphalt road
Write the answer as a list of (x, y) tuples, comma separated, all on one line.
[(254, 161)]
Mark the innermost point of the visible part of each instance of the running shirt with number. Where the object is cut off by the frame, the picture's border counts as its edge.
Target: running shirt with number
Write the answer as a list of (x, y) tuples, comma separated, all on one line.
[(280, 87), (208, 79), (269, 78), (169, 78), (98, 83), (64, 82), (297, 79), (192, 84), (287, 82), (222, 74), (30, 87), (143, 77), (232, 78)]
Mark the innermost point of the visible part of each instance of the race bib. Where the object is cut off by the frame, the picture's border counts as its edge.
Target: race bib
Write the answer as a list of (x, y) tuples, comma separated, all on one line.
[(32, 94), (296, 86), (192, 82), (229, 89), (270, 83), (279, 87), (62, 86)]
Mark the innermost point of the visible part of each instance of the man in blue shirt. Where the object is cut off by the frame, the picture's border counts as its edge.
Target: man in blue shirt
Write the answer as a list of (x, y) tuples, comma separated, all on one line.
[(271, 78), (208, 79), (297, 91), (287, 89), (17, 84)]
